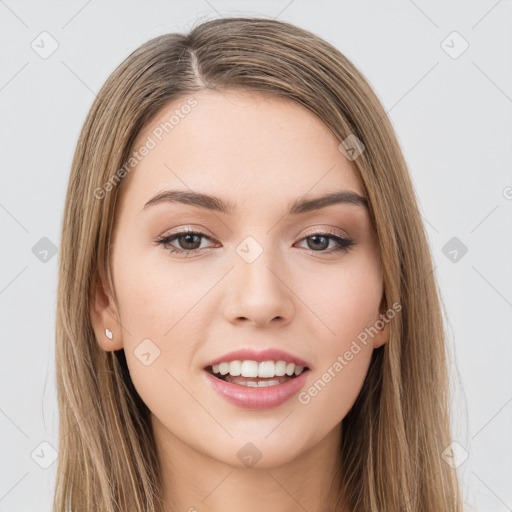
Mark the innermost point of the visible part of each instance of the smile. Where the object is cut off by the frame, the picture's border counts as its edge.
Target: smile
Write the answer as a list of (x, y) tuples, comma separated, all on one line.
[(256, 374), (251, 384)]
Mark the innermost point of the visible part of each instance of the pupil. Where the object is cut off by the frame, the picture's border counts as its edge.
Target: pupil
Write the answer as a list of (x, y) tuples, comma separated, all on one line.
[(317, 237), (187, 240)]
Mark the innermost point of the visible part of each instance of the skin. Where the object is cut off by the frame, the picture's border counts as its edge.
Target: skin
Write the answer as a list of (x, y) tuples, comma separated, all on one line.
[(260, 152)]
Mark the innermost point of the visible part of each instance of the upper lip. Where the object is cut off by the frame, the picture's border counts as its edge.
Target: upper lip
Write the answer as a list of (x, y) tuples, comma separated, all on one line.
[(269, 354)]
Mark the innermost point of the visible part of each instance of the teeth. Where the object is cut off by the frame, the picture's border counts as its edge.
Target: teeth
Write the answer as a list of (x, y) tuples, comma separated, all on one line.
[(235, 368), (263, 369), (248, 369), (280, 368), (290, 368), (260, 384), (266, 369), (268, 383)]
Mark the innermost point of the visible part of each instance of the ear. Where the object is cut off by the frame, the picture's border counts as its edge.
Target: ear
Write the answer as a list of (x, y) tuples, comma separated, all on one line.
[(104, 314), (382, 324), (382, 337)]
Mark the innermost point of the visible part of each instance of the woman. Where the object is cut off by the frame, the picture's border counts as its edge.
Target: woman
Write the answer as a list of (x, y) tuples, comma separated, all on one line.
[(247, 314)]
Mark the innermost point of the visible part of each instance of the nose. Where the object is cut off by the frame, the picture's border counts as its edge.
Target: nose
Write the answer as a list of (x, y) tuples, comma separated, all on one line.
[(259, 293)]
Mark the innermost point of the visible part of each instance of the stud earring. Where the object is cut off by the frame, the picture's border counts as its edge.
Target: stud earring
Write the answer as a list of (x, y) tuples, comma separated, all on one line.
[(108, 334)]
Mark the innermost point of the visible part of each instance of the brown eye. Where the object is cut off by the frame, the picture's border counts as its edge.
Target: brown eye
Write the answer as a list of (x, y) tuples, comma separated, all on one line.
[(319, 242), (187, 241)]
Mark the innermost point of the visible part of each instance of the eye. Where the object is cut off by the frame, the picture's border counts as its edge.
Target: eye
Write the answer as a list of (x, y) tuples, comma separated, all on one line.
[(190, 242), (318, 242)]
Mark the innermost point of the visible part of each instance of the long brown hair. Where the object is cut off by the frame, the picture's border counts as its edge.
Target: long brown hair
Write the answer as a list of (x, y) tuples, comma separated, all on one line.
[(396, 431)]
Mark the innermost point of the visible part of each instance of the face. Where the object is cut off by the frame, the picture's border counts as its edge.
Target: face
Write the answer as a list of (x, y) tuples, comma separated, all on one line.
[(195, 282)]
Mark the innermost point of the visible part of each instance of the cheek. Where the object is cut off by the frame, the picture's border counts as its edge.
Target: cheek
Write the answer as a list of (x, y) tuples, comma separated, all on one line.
[(346, 300), (334, 387), (166, 311), (152, 299)]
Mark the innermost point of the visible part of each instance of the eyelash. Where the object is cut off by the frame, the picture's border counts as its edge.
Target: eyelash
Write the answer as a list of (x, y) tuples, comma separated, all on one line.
[(344, 244)]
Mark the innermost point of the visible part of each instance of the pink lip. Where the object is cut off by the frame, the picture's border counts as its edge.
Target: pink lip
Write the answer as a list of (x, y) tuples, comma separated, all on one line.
[(257, 398), (270, 354)]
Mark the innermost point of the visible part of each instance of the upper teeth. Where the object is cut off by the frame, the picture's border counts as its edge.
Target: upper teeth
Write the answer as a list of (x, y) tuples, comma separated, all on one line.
[(255, 369)]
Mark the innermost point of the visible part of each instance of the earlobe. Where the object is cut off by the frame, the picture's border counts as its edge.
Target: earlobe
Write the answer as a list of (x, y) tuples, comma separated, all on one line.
[(382, 336), (104, 316), (382, 324)]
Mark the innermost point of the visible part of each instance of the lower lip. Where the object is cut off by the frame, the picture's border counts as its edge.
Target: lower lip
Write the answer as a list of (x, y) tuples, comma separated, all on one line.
[(257, 398)]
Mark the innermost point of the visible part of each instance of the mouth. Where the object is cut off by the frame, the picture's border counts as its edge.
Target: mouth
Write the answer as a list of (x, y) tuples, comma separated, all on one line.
[(254, 374), (268, 380)]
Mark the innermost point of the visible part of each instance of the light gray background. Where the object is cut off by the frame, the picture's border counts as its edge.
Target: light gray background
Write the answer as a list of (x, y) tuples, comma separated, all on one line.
[(452, 116)]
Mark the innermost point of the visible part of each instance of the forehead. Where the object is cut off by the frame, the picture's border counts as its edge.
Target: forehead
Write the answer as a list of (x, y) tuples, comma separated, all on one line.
[(250, 148)]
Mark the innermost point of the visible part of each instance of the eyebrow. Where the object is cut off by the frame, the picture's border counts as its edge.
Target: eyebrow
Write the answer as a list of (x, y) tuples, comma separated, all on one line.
[(216, 204)]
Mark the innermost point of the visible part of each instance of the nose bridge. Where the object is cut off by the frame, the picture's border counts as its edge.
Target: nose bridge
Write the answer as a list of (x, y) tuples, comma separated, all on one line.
[(257, 260), (258, 290)]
